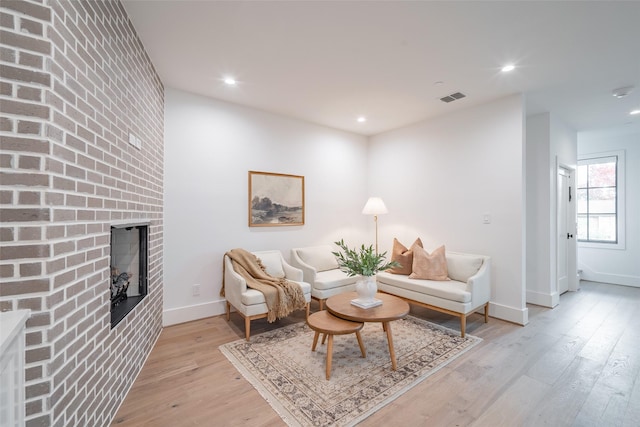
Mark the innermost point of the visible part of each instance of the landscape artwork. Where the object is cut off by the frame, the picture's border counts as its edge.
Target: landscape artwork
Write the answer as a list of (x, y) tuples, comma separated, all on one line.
[(275, 199)]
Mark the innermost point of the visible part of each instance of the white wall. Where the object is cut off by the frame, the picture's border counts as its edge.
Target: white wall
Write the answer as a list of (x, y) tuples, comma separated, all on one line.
[(540, 284), (439, 177), (549, 144), (210, 146), (564, 142), (618, 266), (564, 152)]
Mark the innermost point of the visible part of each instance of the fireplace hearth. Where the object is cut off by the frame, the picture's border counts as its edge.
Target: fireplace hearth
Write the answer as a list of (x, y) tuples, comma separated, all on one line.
[(129, 264)]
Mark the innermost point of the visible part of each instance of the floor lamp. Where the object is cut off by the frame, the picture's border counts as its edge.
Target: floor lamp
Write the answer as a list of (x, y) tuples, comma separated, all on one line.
[(375, 206)]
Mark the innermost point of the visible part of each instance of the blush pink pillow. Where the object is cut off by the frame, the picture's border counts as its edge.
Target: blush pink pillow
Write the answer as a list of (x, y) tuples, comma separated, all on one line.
[(403, 256), (429, 267)]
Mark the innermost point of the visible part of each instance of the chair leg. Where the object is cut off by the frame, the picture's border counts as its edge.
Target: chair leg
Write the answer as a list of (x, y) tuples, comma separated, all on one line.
[(463, 324), (247, 328), (486, 313), (321, 302), (307, 309)]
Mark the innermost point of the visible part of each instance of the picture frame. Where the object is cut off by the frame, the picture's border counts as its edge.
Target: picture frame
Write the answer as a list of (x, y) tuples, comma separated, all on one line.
[(275, 199)]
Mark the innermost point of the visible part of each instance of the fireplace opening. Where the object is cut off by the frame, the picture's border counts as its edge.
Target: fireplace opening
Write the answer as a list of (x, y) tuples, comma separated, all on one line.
[(129, 263)]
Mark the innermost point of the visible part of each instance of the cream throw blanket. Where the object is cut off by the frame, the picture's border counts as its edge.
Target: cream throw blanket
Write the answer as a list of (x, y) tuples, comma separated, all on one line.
[(281, 295)]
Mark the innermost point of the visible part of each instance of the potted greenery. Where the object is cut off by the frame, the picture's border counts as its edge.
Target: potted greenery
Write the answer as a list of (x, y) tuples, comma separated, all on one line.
[(364, 262)]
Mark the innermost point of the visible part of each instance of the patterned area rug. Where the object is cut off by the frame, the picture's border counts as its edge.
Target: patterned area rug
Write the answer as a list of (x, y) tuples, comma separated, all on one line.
[(288, 375)]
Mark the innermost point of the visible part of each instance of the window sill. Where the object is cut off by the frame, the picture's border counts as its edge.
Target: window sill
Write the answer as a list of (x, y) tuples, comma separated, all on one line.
[(594, 245)]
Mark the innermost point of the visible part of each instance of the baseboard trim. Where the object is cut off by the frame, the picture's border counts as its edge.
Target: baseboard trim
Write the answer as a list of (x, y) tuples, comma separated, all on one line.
[(189, 313), (544, 300), (615, 279), (510, 314), (175, 316)]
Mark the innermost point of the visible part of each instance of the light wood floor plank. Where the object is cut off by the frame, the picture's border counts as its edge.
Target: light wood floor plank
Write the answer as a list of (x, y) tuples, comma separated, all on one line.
[(552, 364), (577, 364), (632, 411), (566, 396), (610, 397), (513, 406)]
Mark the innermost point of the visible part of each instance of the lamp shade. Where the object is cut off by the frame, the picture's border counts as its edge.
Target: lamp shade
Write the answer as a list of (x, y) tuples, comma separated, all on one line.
[(374, 206)]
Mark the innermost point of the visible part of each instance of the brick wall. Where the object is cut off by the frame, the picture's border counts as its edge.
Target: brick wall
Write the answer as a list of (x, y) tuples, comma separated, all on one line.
[(74, 81)]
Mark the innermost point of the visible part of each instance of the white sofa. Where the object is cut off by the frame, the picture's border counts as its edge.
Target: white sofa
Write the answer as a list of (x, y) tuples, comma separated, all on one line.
[(250, 303), (320, 268), (468, 290)]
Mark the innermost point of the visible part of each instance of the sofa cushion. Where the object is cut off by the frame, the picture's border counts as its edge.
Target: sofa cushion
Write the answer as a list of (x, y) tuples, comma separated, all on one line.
[(272, 262), (451, 290), (253, 296), (461, 267), (403, 256), (318, 257), (429, 266), (331, 279)]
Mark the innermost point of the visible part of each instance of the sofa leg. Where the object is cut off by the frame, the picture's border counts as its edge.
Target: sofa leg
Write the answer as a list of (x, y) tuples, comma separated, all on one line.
[(228, 311), (321, 302), (463, 325), (247, 328), (307, 310), (486, 313)]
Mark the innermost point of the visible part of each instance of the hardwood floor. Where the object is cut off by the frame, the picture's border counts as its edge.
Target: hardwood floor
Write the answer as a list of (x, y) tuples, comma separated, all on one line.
[(575, 365)]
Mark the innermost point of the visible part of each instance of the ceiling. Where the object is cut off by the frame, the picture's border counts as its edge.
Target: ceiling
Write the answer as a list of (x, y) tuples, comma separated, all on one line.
[(328, 62)]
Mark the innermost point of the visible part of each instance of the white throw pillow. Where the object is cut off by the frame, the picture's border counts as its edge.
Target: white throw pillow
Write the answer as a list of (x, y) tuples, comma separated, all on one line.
[(319, 257), (272, 263), (461, 267)]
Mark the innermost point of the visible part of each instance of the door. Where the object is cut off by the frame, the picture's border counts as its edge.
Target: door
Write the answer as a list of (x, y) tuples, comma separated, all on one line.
[(565, 229)]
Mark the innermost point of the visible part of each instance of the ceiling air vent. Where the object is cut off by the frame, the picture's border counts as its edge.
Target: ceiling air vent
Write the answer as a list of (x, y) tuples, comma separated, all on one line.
[(453, 97)]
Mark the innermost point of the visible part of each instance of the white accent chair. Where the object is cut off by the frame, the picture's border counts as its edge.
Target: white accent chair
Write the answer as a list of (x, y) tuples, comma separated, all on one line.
[(250, 303), (321, 270)]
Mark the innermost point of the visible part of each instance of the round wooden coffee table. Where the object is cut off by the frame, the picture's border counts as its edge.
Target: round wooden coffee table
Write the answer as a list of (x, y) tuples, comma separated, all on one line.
[(323, 322), (392, 308)]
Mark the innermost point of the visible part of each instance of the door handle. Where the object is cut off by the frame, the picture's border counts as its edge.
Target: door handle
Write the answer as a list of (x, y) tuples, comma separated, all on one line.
[(569, 236)]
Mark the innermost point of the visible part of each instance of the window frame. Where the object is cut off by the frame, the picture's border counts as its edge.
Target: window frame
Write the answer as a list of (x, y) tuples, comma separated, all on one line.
[(590, 158)]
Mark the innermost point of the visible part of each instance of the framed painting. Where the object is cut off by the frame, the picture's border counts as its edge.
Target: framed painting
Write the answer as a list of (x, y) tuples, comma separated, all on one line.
[(275, 199)]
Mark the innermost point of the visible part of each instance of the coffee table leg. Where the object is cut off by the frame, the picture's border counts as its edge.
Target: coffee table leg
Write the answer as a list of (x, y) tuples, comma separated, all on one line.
[(315, 341), (329, 355), (361, 344), (392, 353)]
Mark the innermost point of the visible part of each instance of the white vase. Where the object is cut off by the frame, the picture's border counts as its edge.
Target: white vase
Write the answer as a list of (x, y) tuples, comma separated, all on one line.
[(366, 288)]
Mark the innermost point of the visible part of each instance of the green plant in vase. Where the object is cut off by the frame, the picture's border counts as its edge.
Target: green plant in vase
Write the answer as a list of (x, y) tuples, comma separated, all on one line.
[(364, 262)]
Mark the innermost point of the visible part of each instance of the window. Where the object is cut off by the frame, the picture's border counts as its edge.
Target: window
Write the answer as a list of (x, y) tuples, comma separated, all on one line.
[(597, 199)]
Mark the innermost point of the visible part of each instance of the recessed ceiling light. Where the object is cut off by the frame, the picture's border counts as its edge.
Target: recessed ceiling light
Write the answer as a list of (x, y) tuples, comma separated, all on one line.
[(362, 119), (230, 81), (634, 112), (507, 68)]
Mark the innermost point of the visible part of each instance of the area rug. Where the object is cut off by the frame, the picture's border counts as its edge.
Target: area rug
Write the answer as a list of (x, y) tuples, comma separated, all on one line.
[(288, 375)]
